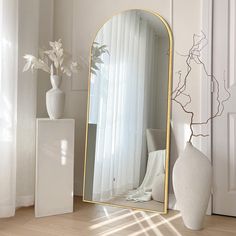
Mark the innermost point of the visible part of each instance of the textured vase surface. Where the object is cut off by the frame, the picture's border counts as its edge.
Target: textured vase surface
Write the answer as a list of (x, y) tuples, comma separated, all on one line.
[(55, 99), (192, 181)]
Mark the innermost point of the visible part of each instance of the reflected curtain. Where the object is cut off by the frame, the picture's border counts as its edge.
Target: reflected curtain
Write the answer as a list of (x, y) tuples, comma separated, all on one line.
[(122, 103), (8, 105)]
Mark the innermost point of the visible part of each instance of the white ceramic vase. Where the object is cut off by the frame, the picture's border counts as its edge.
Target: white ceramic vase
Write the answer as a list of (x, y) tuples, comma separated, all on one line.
[(55, 98), (192, 181)]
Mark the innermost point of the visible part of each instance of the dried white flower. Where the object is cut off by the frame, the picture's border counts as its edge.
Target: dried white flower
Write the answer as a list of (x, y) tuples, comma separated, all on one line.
[(53, 58), (35, 63)]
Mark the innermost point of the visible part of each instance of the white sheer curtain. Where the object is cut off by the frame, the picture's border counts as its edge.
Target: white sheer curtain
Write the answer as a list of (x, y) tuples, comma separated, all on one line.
[(18, 36), (8, 105), (120, 103)]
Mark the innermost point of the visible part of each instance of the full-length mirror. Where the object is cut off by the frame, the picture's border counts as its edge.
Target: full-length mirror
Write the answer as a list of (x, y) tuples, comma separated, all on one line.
[(127, 147)]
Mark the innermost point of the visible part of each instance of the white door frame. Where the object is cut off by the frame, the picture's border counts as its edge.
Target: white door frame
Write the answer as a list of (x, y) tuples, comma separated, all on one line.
[(206, 94)]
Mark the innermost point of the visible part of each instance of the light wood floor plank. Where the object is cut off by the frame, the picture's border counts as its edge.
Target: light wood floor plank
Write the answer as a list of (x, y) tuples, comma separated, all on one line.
[(89, 219)]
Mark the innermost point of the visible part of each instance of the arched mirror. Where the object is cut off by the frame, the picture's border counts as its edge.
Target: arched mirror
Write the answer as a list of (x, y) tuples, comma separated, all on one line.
[(128, 123)]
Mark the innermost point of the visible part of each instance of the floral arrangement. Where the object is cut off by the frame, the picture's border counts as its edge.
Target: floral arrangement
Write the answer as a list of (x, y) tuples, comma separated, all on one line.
[(53, 61), (97, 52)]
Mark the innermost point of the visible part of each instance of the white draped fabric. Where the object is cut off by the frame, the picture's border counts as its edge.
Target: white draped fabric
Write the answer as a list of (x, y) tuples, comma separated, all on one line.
[(8, 105), (155, 169), (122, 104)]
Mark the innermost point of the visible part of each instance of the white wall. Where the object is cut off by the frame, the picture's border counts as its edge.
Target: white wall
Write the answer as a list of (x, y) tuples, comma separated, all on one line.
[(77, 22), (186, 21), (46, 14)]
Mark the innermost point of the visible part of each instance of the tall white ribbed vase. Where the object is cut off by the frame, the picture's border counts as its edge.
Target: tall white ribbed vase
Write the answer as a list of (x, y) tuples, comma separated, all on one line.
[(55, 98), (192, 181)]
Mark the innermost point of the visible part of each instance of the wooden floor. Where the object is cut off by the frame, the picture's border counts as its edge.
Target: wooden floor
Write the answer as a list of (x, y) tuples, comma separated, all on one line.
[(89, 219)]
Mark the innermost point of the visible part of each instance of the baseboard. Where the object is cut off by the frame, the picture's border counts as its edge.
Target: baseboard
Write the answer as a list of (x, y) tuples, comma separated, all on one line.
[(25, 201)]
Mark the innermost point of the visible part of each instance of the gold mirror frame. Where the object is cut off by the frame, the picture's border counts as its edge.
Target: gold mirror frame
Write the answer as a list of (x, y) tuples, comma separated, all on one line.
[(169, 31)]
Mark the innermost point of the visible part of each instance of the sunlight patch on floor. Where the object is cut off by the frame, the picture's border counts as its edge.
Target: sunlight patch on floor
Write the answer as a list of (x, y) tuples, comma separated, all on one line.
[(109, 221), (146, 218), (154, 226), (109, 215)]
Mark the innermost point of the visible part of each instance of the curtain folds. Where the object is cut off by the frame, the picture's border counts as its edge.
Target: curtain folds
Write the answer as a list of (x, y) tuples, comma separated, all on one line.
[(8, 104), (18, 36), (120, 104)]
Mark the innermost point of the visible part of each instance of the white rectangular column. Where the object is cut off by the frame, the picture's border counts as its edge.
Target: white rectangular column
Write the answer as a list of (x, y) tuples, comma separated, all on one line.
[(54, 166)]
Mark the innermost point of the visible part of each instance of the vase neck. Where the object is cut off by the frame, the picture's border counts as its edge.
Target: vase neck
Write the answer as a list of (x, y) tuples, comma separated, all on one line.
[(55, 81), (189, 144)]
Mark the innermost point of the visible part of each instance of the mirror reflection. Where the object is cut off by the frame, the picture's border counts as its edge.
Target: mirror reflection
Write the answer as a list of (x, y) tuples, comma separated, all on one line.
[(128, 106)]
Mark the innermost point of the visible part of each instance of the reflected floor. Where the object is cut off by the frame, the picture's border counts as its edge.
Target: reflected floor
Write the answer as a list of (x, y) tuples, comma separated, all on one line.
[(150, 205)]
